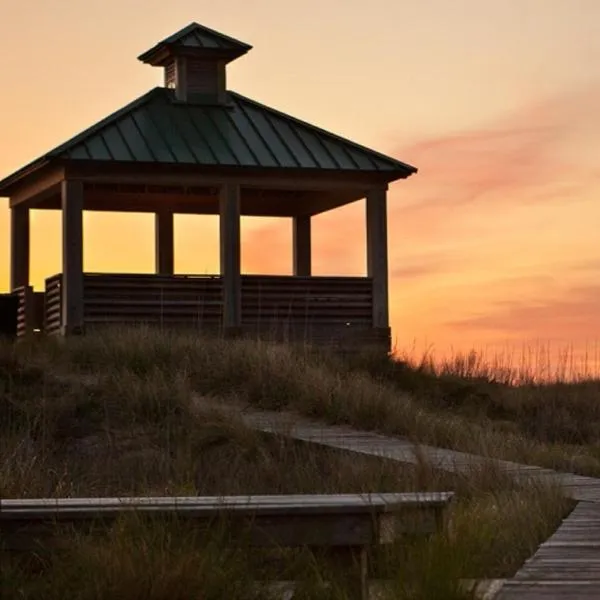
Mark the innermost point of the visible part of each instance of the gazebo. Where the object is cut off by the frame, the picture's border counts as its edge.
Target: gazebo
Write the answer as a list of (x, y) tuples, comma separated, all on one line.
[(194, 147)]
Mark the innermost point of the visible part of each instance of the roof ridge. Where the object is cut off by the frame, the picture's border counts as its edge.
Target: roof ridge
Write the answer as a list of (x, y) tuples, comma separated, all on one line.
[(320, 130), (194, 25), (104, 123), (222, 41)]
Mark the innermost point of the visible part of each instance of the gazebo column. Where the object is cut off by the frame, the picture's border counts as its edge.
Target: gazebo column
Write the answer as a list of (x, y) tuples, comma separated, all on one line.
[(229, 227), (19, 246), (72, 256), (302, 245), (377, 254), (164, 243)]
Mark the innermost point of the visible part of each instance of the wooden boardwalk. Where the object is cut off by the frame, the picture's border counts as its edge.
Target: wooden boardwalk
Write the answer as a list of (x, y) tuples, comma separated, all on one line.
[(577, 487), (566, 566)]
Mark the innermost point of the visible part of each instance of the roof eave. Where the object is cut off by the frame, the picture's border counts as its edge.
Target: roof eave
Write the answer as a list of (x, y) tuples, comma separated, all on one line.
[(159, 54), (9, 183), (400, 173)]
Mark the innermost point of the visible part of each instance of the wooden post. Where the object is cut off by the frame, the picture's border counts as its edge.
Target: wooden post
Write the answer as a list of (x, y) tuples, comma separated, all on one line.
[(302, 245), (229, 224), (164, 243), (72, 257), (377, 254), (19, 246)]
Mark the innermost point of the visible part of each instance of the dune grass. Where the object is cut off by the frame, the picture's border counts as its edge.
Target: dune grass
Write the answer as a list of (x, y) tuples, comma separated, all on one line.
[(117, 414), (554, 425)]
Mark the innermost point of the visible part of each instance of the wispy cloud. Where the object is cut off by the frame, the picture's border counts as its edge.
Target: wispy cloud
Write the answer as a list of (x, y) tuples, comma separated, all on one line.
[(573, 315), (426, 266), (524, 156)]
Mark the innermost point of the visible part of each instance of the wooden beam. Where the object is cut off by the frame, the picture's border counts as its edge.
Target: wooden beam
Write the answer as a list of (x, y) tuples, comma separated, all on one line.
[(72, 257), (229, 221), (296, 179), (19, 246), (254, 202), (301, 239), (164, 243), (377, 254), (39, 187)]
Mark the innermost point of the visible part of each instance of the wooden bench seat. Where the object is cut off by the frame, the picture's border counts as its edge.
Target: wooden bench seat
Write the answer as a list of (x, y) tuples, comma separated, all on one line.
[(341, 522)]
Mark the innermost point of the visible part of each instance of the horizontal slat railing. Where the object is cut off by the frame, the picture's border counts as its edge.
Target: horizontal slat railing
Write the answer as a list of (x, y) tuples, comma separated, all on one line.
[(22, 292), (332, 311), (29, 311), (52, 305), (152, 299), (307, 301), (266, 300)]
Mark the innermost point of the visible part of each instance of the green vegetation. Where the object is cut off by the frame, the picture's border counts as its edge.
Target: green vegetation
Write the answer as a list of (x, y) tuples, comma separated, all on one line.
[(123, 414)]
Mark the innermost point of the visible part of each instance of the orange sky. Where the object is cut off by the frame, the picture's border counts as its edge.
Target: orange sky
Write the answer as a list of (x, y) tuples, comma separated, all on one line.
[(493, 241)]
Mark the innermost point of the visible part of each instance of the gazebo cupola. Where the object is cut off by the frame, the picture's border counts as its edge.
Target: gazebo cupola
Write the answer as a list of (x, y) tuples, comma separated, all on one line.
[(195, 63)]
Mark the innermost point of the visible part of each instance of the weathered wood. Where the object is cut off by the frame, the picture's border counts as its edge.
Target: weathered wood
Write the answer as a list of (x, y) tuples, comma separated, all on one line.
[(72, 257), (24, 295), (164, 242), (344, 519), (42, 185), (292, 179), (345, 524), (325, 311), (19, 246), (181, 78), (301, 240), (566, 566), (229, 222), (577, 487), (52, 305), (30, 310), (204, 200), (377, 253)]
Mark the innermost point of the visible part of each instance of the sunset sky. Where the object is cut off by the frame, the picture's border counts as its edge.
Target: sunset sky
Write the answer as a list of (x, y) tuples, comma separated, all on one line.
[(494, 241)]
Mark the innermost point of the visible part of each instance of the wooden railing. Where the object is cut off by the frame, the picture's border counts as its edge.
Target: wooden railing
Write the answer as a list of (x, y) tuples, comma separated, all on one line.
[(341, 524), (333, 311), (302, 301), (267, 301), (30, 311), (153, 299), (52, 305)]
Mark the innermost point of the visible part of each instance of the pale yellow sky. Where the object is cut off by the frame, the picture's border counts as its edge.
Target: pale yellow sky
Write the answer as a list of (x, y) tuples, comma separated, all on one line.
[(495, 102)]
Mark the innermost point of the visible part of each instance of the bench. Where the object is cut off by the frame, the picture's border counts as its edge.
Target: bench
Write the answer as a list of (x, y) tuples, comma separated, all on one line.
[(350, 523)]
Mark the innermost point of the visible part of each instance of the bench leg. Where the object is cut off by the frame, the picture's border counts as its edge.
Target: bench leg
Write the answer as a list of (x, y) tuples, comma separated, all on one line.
[(360, 574), (363, 573)]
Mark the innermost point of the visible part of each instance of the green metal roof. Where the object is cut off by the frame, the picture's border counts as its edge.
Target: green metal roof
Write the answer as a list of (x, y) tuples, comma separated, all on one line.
[(199, 38), (156, 128)]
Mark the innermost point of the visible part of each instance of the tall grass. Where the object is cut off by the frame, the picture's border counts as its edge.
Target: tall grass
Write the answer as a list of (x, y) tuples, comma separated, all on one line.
[(554, 425), (118, 414), (537, 362)]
